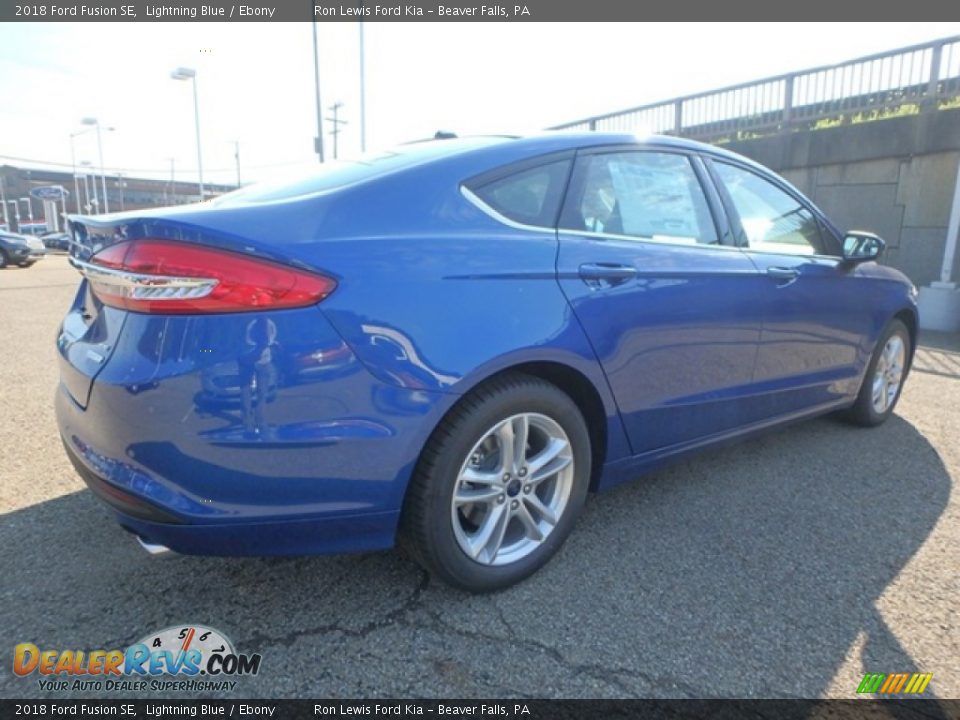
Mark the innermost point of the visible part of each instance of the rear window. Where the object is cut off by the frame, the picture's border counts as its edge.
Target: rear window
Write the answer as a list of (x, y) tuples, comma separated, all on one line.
[(308, 180), (530, 196)]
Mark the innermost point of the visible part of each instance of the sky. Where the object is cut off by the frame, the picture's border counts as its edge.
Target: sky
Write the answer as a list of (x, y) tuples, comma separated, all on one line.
[(256, 87)]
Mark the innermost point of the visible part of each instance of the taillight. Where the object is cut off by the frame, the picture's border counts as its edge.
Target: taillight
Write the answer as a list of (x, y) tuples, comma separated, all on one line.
[(160, 276)]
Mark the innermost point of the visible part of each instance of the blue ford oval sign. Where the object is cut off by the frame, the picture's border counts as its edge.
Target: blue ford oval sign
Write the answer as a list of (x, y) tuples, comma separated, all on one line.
[(49, 192)]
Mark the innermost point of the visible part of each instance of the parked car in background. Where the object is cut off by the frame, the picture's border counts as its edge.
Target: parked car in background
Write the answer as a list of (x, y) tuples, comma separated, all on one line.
[(453, 342), (56, 241), (20, 250), (35, 229)]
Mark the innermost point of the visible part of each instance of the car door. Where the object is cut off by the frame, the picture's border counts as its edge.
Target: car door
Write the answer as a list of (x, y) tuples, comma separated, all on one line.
[(814, 308), (642, 261)]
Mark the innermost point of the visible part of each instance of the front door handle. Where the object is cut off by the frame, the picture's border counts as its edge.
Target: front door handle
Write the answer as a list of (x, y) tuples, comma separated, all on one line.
[(783, 273), (612, 273)]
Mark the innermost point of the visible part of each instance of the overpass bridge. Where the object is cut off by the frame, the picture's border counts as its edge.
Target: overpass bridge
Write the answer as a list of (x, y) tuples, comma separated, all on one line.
[(874, 141)]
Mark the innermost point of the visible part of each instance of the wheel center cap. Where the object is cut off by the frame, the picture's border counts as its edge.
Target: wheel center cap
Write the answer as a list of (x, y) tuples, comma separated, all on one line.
[(513, 488)]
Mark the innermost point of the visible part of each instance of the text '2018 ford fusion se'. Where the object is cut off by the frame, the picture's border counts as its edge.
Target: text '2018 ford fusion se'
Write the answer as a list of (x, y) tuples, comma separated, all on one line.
[(453, 342)]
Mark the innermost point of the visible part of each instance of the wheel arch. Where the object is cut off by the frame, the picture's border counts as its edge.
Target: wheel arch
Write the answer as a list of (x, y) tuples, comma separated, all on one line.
[(585, 396), (607, 437)]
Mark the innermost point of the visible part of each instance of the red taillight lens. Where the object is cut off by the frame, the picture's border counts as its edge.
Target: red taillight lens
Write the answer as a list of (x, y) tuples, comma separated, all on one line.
[(161, 276)]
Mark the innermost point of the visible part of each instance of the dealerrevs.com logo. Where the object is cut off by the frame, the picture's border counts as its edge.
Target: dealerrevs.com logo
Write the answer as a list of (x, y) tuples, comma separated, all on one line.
[(179, 658)]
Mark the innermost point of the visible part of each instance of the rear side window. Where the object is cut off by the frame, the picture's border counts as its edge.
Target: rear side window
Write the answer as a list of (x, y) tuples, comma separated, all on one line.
[(531, 196), (642, 194)]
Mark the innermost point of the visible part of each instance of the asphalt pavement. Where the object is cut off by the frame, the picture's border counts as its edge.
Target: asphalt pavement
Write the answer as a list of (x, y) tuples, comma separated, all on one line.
[(783, 566)]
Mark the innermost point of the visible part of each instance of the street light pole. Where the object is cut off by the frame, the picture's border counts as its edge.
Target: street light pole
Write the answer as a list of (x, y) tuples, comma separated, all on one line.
[(318, 141), (95, 200), (236, 155), (173, 185), (76, 181), (363, 93), (103, 177), (184, 73)]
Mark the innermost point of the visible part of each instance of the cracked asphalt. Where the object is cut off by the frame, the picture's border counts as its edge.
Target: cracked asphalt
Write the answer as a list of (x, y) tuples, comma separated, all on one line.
[(784, 566)]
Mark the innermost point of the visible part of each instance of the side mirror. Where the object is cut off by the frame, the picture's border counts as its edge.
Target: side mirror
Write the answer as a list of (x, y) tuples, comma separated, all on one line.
[(860, 246)]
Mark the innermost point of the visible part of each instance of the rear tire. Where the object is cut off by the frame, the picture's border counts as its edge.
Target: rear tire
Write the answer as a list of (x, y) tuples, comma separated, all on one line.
[(883, 381), (481, 519), (4, 260)]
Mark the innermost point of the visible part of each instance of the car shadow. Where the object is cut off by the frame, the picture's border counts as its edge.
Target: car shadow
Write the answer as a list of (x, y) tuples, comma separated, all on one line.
[(748, 571), (938, 354)]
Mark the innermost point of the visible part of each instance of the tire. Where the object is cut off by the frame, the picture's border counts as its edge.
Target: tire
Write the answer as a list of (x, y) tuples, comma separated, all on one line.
[(516, 501), (869, 410), (25, 264), (4, 260)]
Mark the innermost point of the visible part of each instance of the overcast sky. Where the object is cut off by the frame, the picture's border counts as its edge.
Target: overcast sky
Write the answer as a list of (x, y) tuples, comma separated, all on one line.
[(255, 81)]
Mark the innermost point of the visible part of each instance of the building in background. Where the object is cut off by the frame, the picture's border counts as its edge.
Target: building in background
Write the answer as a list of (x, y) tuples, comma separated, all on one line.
[(123, 193)]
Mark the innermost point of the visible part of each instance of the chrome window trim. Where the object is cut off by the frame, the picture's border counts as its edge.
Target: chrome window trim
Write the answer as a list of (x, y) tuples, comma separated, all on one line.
[(482, 206), (815, 256), (655, 241)]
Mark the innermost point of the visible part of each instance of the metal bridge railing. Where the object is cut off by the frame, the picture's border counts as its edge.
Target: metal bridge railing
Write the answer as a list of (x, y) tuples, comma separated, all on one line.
[(904, 81)]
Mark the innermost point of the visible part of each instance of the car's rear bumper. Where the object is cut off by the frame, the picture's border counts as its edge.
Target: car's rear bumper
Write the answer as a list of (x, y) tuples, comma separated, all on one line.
[(306, 453), (157, 527)]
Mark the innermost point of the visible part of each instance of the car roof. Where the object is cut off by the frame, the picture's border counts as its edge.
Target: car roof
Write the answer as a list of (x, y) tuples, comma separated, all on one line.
[(554, 140)]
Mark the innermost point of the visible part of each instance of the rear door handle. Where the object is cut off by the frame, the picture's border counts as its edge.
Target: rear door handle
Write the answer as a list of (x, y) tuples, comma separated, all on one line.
[(783, 273), (610, 272)]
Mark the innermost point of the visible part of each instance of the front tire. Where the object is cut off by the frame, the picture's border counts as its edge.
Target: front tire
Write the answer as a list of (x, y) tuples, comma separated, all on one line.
[(499, 485), (883, 381), (4, 260)]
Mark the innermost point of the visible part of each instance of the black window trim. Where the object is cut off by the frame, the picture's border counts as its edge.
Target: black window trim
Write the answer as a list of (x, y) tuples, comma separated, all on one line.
[(575, 188), (739, 234), (467, 187)]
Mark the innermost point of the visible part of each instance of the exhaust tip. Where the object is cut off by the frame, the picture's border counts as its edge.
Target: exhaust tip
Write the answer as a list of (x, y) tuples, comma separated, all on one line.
[(154, 549)]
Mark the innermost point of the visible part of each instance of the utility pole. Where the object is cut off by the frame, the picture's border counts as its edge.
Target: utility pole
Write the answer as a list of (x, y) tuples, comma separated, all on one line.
[(173, 187), (337, 122), (236, 155)]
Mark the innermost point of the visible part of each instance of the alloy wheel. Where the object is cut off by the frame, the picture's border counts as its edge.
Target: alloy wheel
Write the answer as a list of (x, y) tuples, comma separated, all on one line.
[(512, 489), (888, 374)]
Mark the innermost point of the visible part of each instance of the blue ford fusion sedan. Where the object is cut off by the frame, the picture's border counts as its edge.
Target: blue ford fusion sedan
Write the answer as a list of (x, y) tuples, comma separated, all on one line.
[(450, 344)]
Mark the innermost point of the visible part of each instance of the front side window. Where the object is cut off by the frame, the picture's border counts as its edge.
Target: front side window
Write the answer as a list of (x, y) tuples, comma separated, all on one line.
[(530, 196), (772, 219), (647, 195)]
